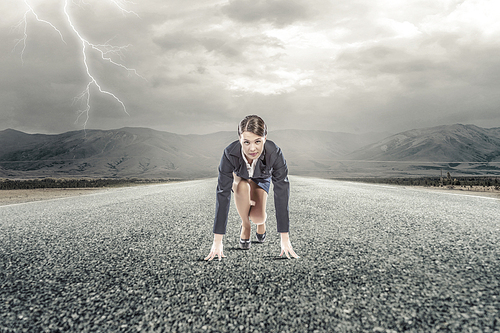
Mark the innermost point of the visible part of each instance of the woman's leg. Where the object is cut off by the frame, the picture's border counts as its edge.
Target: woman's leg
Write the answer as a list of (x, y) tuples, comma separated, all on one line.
[(250, 201), (258, 213), (241, 189)]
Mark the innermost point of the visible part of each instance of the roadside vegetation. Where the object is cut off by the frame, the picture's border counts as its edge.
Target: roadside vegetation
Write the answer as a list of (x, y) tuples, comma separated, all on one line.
[(448, 182), (27, 184)]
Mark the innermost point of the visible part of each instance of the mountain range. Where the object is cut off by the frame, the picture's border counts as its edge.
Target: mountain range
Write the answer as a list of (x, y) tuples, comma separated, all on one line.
[(147, 153), (455, 143)]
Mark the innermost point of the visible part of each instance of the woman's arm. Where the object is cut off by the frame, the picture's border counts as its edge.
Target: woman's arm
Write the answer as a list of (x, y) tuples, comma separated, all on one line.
[(281, 188), (223, 199), (281, 202), (223, 195)]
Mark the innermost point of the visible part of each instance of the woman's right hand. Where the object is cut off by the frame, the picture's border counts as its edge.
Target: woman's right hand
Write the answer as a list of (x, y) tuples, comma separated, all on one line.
[(217, 248)]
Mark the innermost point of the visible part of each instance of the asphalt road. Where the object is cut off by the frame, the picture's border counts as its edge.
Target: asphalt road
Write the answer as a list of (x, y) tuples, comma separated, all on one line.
[(372, 259)]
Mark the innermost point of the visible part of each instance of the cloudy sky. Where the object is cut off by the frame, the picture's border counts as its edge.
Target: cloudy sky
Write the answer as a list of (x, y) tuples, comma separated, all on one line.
[(346, 65)]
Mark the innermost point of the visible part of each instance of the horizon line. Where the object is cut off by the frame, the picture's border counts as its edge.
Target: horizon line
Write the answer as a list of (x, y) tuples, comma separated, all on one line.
[(287, 129)]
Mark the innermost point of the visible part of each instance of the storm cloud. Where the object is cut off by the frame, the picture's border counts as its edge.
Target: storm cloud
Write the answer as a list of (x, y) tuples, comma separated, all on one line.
[(351, 66)]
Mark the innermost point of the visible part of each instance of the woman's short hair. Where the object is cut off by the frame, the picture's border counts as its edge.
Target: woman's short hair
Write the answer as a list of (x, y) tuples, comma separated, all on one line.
[(253, 124)]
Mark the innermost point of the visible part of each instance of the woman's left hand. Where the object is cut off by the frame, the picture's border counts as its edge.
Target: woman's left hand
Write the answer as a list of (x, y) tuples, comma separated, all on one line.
[(286, 246)]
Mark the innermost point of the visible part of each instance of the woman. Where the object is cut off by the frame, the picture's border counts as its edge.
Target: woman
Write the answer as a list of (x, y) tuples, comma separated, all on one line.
[(247, 167)]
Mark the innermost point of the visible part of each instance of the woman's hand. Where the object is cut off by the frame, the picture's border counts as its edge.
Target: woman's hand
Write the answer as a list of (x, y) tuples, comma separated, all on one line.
[(286, 246), (217, 248)]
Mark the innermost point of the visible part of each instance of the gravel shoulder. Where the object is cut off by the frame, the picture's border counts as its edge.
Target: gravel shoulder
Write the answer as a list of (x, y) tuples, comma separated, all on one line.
[(10, 197)]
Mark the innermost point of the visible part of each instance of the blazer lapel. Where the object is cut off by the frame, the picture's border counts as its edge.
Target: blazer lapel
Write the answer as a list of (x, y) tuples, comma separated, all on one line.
[(260, 168), (241, 168)]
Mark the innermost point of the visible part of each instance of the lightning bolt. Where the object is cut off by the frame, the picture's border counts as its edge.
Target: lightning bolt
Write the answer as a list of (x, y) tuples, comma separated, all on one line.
[(24, 23), (120, 5), (103, 50)]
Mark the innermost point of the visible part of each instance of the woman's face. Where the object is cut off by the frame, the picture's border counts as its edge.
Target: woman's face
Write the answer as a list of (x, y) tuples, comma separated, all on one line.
[(252, 144)]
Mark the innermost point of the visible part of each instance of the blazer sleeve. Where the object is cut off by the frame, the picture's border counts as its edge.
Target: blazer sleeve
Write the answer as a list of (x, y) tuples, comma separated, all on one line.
[(223, 197), (281, 188)]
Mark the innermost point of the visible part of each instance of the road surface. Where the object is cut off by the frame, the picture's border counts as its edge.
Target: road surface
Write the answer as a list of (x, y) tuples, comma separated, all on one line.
[(373, 258)]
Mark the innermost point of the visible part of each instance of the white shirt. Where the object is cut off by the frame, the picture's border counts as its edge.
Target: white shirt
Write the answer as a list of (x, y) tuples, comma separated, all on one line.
[(250, 167)]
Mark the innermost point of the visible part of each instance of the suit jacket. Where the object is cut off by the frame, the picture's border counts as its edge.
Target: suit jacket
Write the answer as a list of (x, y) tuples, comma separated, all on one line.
[(270, 163)]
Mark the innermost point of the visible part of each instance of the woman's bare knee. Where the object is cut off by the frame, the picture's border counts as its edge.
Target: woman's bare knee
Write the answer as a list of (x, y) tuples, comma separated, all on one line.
[(240, 186)]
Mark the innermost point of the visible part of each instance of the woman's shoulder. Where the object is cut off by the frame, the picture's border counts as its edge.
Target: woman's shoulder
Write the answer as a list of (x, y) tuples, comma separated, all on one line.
[(233, 148), (271, 147)]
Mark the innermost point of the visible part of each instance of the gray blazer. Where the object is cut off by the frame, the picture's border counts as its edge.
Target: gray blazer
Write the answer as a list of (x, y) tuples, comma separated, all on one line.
[(271, 163)]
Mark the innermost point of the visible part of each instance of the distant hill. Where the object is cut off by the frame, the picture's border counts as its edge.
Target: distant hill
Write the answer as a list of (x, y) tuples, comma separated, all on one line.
[(143, 152), (147, 153), (455, 143)]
